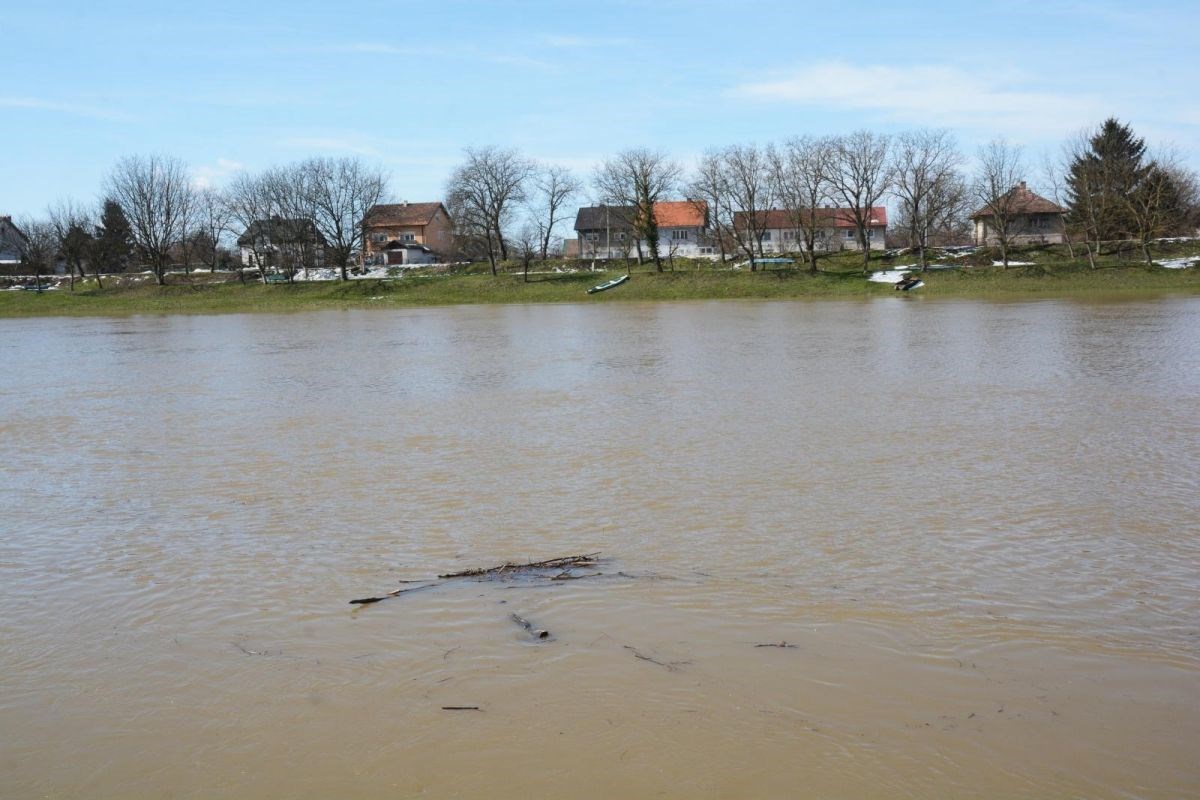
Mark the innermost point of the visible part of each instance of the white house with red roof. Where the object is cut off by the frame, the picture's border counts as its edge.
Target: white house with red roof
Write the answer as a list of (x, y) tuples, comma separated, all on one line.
[(837, 231), (608, 231)]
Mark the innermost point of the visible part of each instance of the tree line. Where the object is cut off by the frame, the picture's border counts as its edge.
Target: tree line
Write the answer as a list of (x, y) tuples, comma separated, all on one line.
[(506, 205)]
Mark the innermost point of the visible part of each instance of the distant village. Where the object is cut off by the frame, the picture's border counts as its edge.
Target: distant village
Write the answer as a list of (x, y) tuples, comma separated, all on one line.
[(803, 198)]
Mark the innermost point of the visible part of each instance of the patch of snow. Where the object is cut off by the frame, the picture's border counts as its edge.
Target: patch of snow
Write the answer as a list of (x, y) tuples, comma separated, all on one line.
[(1179, 263), (1014, 264), (890, 275)]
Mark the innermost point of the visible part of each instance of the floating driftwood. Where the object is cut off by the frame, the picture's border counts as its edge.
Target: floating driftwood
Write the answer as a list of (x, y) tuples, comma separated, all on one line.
[(776, 644), (461, 708), (362, 601), (566, 562), (536, 633), (552, 569)]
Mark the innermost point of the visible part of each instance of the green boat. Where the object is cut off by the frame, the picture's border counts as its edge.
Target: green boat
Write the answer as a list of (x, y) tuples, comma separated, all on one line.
[(604, 287)]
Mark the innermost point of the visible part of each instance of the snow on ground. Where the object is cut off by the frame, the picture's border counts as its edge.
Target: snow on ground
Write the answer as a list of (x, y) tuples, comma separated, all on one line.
[(890, 275), (1180, 263), (1014, 264)]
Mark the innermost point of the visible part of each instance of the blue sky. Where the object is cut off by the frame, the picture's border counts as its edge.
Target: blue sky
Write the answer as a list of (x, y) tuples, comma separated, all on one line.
[(228, 85)]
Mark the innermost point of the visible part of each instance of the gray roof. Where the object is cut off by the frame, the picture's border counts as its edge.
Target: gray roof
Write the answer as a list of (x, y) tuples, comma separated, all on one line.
[(598, 218)]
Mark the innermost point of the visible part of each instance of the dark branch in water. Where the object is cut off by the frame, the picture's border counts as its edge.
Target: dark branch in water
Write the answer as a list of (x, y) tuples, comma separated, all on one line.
[(776, 644), (362, 601), (461, 708), (585, 560), (534, 569), (670, 666)]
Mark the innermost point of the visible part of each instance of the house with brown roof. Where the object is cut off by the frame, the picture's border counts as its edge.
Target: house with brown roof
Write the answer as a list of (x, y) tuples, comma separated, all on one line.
[(1032, 219), (607, 231), (836, 231), (407, 233)]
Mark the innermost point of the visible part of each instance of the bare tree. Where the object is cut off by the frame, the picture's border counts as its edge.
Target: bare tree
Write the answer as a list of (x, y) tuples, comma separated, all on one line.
[(339, 193), (214, 218), (800, 173), (484, 192), (999, 173), (74, 226), (860, 174), (528, 243), (926, 183), (40, 247), (748, 185), (254, 205), (553, 187), (1053, 180), (638, 179), (155, 193), (1083, 200), (1161, 202), (708, 187)]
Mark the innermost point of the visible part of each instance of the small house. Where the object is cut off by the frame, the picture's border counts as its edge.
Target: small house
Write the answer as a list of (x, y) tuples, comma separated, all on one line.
[(1032, 219), (392, 232), (288, 244)]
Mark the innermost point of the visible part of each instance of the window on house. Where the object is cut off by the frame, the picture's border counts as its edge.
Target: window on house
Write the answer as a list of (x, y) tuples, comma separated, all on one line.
[(592, 236), (766, 237), (849, 233), (621, 236), (379, 237), (789, 236), (679, 234), (706, 251), (408, 237), (870, 233)]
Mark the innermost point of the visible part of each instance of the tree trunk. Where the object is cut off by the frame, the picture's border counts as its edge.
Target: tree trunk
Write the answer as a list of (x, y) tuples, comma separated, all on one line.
[(866, 248), (96, 269), (1146, 252)]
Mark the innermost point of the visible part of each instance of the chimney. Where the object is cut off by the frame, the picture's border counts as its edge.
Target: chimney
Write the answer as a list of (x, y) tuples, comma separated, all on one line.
[(1023, 189)]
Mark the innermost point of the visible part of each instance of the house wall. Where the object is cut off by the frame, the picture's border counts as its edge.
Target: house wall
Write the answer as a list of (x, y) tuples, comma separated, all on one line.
[(10, 242), (686, 248), (1025, 229), (834, 239)]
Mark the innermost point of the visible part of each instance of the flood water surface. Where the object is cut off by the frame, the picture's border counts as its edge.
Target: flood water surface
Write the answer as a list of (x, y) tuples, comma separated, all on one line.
[(974, 525)]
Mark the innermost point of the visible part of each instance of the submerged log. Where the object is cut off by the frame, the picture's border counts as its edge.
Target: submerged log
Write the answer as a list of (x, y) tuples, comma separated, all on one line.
[(536, 633)]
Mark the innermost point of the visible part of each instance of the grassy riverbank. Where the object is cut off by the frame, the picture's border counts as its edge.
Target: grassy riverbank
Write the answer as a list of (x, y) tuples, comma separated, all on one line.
[(841, 277)]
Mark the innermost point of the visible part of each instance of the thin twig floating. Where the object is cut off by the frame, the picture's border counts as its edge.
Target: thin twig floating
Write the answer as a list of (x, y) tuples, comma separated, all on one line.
[(362, 601), (670, 666), (461, 708), (537, 633), (776, 644)]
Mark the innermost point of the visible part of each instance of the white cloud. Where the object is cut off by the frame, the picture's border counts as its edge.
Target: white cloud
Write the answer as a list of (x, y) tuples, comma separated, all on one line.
[(209, 175), (75, 109), (1002, 103)]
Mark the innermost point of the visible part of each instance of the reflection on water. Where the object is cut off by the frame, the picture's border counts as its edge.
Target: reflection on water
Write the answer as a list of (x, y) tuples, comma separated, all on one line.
[(976, 522)]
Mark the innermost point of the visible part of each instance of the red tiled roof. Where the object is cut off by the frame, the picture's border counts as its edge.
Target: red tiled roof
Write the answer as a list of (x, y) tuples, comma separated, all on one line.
[(777, 218), (681, 214), (402, 214)]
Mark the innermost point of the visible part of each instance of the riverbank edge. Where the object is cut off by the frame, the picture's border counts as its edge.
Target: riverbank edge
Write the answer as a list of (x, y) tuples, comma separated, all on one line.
[(475, 289)]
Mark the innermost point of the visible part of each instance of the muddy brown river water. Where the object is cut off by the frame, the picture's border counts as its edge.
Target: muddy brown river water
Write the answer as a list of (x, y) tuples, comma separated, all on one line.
[(976, 522)]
